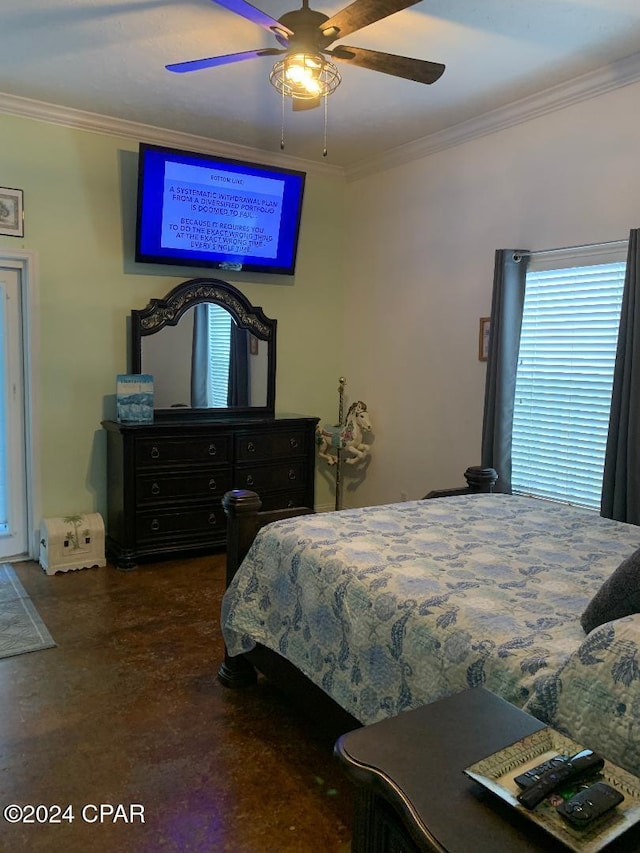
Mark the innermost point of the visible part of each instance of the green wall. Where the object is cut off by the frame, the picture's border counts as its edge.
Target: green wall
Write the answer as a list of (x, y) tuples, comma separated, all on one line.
[(79, 201)]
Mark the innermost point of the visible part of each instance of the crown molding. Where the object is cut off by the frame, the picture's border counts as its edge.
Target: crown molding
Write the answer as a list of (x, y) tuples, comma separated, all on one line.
[(590, 85), (108, 126)]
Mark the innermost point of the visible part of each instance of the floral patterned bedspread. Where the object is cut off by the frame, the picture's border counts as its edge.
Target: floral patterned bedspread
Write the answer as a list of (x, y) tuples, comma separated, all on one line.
[(391, 607)]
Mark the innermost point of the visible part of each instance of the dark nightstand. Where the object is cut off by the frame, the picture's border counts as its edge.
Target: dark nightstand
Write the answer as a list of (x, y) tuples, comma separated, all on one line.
[(412, 794)]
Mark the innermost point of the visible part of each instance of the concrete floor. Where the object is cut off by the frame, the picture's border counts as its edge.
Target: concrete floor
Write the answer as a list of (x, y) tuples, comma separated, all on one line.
[(127, 711)]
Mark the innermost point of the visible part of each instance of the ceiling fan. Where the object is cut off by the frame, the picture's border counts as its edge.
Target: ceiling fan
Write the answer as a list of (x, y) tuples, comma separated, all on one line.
[(305, 35)]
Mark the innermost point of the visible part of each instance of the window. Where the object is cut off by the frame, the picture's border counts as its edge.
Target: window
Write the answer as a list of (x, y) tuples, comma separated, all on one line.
[(565, 375), (219, 354)]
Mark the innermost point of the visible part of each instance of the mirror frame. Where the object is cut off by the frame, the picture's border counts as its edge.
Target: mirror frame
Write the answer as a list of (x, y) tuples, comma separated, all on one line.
[(168, 311)]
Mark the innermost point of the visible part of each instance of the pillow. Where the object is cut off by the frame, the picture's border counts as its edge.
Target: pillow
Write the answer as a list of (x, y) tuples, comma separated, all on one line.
[(618, 596), (593, 697)]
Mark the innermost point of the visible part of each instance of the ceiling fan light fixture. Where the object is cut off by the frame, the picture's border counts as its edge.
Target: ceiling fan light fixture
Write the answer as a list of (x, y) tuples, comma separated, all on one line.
[(305, 76)]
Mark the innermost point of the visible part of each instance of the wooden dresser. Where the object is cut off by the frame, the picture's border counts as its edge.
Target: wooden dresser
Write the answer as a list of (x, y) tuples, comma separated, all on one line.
[(165, 480)]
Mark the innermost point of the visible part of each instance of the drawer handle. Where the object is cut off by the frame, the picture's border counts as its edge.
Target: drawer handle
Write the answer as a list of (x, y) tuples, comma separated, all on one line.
[(292, 474), (155, 489), (212, 518), (249, 480), (251, 447), (212, 450), (290, 503), (155, 452), (212, 484), (155, 525), (293, 443)]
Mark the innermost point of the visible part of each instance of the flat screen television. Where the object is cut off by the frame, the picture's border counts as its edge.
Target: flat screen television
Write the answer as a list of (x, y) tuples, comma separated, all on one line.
[(206, 211)]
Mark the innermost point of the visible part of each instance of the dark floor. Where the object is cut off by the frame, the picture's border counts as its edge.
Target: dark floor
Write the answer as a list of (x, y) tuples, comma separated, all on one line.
[(127, 710)]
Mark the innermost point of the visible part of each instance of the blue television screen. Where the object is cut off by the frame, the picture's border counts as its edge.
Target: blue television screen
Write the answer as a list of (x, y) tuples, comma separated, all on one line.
[(206, 211)]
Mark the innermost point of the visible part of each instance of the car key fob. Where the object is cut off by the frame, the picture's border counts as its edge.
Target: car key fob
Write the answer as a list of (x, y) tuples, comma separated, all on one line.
[(577, 767), (588, 805), (526, 780)]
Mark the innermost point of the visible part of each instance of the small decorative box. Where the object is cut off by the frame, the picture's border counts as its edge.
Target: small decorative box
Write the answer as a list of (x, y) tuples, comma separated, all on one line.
[(134, 398), (72, 542)]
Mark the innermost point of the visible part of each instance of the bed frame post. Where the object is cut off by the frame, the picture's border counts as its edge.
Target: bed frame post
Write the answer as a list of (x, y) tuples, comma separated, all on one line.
[(479, 481), (241, 508)]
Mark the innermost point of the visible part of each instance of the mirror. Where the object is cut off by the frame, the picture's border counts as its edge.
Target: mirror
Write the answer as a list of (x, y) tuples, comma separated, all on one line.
[(209, 350)]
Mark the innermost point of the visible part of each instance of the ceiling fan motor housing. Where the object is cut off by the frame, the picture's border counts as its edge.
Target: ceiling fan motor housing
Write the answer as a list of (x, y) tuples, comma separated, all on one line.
[(305, 25)]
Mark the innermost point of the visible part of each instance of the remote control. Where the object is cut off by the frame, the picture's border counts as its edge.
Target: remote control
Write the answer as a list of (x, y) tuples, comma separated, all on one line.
[(526, 780), (578, 766), (588, 805)]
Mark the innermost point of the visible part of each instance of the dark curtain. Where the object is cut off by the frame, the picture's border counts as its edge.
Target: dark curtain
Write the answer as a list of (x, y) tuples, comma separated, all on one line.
[(504, 342), (238, 394), (621, 480), (200, 358)]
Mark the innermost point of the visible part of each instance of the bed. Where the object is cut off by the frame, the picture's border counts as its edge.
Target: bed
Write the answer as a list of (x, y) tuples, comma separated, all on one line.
[(387, 608)]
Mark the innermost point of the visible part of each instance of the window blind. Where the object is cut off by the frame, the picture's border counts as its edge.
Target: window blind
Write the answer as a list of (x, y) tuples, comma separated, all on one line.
[(564, 380), (219, 353)]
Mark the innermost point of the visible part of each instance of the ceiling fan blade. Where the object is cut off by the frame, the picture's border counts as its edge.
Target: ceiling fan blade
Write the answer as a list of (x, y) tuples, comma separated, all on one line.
[(300, 104), (227, 59), (241, 7), (360, 14), (388, 63)]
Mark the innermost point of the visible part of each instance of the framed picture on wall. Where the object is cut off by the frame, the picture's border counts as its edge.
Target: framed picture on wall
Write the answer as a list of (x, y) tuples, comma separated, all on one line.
[(483, 340), (11, 212)]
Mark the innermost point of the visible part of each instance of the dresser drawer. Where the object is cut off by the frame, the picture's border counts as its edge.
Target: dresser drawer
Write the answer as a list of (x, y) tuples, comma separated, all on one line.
[(194, 523), (270, 445), (184, 449), (259, 478), (185, 486), (284, 500)]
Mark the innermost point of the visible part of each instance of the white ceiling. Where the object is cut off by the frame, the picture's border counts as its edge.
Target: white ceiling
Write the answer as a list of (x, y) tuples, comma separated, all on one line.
[(108, 57)]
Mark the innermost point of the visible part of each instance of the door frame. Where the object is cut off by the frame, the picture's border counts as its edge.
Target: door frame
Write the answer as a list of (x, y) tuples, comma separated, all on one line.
[(25, 263)]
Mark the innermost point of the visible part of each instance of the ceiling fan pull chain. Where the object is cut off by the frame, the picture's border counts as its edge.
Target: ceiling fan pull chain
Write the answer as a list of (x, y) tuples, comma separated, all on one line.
[(282, 127), (326, 113)]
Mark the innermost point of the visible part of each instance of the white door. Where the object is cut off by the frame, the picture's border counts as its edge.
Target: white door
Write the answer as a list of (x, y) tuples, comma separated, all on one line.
[(14, 537)]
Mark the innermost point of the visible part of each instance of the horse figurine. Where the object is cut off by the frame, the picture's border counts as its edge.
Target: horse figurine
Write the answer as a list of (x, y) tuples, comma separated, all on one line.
[(347, 436)]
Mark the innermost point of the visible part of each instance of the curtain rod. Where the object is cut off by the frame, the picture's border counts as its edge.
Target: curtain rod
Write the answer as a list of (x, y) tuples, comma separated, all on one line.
[(520, 254)]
